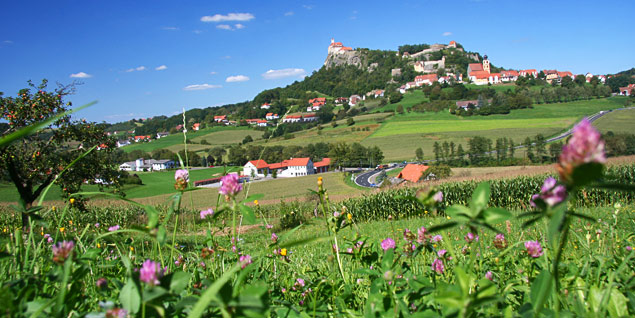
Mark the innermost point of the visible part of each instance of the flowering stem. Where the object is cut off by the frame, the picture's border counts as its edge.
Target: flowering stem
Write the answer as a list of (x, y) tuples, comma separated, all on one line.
[(339, 261), (176, 223)]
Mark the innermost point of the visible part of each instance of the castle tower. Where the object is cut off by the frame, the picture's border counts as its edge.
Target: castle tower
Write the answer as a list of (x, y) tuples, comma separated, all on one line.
[(486, 64), (332, 41)]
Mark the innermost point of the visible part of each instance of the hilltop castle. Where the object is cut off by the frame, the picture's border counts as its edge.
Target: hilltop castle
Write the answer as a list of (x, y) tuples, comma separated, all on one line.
[(338, 47)]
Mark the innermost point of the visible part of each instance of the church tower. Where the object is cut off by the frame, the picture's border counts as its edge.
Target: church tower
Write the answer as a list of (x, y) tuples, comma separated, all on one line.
[(486, 64)]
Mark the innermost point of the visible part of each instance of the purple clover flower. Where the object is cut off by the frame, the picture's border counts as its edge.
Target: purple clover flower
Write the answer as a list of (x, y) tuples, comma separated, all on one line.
[(300, 282), (150, 272), (182, 174), (113, 228), (230, 185), (101, 283), (116, 313), (489, 275), (629, 248), (387, 244), (421, 235), (437, 238), (62, 250), (534, 249), (470, 237), (274, 237), (438, 197), (551, 193), (205, 213), (441, 253), (585, 146), (244, 261), (437, 266)]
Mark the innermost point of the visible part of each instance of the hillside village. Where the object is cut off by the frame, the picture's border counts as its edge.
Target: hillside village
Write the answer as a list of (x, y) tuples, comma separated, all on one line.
[(423, 67)]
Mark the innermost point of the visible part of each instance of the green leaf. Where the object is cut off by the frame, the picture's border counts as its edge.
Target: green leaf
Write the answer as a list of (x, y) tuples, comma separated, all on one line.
[(252, 198), (305, 241), (587, 173), (555, 224), (541, 289), (179, 281), (153, 216), (149, 294), (617, 304), (162, 234), (496, 215), (211, 293), (248, 214), (480, 198), (440, 227), (129, 297), (460, 213)]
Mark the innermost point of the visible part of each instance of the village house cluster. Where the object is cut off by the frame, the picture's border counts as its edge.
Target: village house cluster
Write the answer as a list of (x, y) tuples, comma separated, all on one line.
[(147, 165), (294, 167)]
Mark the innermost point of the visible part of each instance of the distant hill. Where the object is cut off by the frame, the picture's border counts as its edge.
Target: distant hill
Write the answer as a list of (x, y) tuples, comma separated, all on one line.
[(346, 73), (621, 79)]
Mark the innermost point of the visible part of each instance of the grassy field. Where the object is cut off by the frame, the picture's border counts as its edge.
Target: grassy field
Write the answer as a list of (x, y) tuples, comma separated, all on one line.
[(409, 99), (620, 121), (216, 136), (154, 183), (273, 190)]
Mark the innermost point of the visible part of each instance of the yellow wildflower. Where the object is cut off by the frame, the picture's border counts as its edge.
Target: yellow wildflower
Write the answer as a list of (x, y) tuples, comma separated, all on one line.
[(256, 202), (349, 216), (53, 208), (449, 218), (70, 222), (72, 200), (98, 245), (131, 249), (62, 229), (283, 252), (425, 212)]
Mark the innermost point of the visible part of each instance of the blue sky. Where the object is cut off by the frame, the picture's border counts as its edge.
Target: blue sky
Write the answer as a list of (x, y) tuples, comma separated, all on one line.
[(144, 58)]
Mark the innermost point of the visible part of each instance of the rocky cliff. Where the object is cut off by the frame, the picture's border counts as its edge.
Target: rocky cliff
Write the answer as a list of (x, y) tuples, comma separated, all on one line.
[(344, 58)]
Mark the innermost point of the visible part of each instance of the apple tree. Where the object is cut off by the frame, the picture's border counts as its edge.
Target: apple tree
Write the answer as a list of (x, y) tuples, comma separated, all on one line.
[(37, 160)]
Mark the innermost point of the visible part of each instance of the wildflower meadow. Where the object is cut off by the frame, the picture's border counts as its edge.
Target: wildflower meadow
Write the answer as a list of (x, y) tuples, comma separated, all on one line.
[(558, 254)]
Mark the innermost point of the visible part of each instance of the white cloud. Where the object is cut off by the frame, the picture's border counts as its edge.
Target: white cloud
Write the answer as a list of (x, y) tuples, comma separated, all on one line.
[(161, 68), (285, 72), (308, 6), (447, 33), (228, 17), (212, 73), (237, 78), (224, 27), (81, 75), (290, 13), (197, 31), (200, 87), (239, 26), (138, 68), (7, 42), (170, 28)]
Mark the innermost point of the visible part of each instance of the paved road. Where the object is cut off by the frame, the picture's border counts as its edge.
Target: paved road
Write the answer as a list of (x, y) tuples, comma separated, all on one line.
[(363, 179)]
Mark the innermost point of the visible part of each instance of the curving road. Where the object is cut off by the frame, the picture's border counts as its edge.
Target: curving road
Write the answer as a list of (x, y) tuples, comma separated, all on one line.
[(363, 179)]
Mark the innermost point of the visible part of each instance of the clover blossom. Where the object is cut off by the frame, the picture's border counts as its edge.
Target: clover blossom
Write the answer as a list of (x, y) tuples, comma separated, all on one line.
[(150, 272), (408, 235), (205, 213), (230, 185), (62, 251), (441, 253), (534, 249), (182, 174), (387, 244), (499, 241), (421, 235), (244, 261), (551, 193), (300, 282), (585, 146), (438, 197), (437, 238), (274, 237), (437, 266), (113, 228), (117, 313), (489, 275), (470, 237)]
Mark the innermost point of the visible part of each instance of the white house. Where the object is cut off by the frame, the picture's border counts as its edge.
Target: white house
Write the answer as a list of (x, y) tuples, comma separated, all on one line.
[(261, 123), (292, 119), (265, 106), (146, 165), (293, 167), (256, 168), (309, 117), (121, 143), (271, 116), (353, 100), (162, 134)]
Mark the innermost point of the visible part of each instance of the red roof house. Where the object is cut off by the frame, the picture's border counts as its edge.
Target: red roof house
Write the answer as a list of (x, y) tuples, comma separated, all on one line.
[(412, 172)]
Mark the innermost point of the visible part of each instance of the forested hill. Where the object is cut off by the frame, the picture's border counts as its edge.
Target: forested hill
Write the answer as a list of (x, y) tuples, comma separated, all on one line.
[(375, 72)]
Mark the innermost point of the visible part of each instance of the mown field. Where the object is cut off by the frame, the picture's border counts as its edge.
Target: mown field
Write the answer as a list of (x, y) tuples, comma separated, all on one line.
[(215, 136), (619, 121)]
